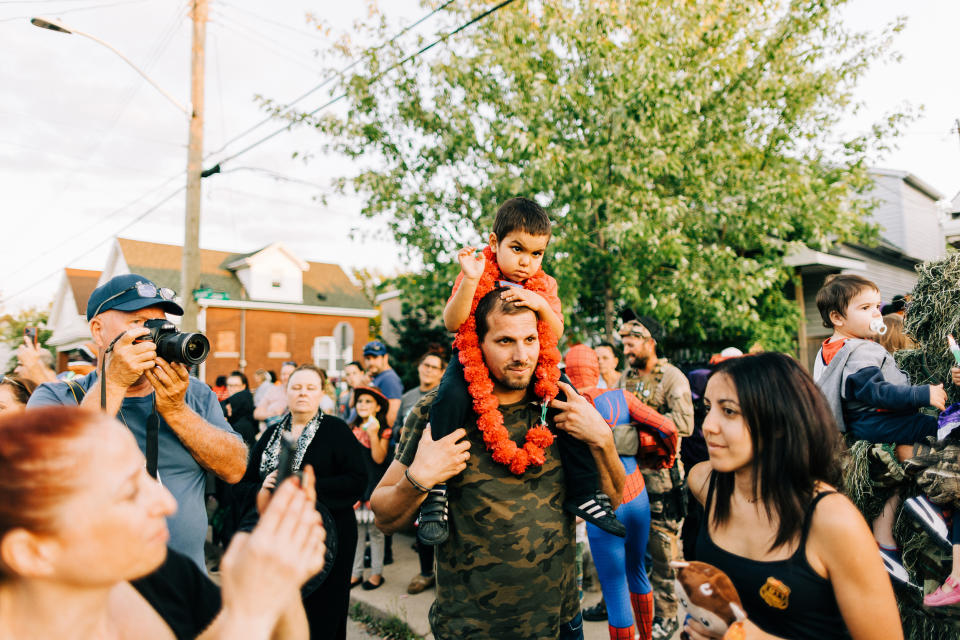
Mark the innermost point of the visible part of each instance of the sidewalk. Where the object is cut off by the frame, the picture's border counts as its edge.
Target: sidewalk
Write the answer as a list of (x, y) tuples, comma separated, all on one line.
[(392, 598)]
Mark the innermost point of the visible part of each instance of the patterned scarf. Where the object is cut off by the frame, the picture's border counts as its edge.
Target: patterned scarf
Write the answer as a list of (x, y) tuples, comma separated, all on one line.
[(271, 454)]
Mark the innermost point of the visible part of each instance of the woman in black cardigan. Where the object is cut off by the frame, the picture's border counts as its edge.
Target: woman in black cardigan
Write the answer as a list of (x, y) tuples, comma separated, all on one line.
[(327, 444)]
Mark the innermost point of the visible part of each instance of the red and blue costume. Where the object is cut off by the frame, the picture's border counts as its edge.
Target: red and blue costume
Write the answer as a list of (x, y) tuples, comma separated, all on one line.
[(620, 561)]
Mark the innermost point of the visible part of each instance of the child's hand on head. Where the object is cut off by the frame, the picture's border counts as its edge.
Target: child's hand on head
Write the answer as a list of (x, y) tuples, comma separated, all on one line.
[(938, 397), (524, 298), (472, 263)]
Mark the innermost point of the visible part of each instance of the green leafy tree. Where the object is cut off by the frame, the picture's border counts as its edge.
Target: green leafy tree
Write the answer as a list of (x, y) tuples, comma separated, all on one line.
[(682, 149)]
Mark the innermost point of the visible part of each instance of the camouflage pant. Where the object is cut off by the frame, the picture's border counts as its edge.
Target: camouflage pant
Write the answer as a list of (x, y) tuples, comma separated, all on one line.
[(662, 546)]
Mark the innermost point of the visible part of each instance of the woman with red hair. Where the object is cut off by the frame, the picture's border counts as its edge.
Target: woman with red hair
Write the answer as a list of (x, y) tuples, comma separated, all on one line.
[(83, 544)]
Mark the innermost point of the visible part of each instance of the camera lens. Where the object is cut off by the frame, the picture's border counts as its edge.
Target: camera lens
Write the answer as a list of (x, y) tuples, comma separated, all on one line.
[(194, 348)]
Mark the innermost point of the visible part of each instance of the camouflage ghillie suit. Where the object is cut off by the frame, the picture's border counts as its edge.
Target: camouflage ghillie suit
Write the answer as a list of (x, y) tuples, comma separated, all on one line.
[(667, 390), (871, 474), (508, 569)]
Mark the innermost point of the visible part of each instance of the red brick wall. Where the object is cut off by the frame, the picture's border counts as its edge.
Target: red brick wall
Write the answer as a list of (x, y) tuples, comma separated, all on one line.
[(300, 330)]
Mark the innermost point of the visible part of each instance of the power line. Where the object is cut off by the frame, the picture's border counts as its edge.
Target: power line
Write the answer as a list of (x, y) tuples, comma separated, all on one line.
[(91, 7), (380, 75), (326, 81), (95, 246), (260, 18), (249, 32), (99, 222)]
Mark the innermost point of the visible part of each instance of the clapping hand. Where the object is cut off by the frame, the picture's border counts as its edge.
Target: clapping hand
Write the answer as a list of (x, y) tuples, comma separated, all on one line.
[(263, 571)]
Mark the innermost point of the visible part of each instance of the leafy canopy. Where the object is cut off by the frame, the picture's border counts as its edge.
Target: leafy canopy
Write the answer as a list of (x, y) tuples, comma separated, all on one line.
[(682, 149)]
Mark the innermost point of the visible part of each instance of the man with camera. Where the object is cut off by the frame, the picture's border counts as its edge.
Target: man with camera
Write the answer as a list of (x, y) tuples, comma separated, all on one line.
[(176, 418)]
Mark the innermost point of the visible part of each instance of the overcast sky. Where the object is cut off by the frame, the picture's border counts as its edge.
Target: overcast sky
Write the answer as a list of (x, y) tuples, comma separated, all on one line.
[(88, 149)]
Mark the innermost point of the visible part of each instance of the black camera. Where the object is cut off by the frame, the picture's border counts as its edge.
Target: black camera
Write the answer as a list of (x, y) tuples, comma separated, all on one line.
[(175, 346)]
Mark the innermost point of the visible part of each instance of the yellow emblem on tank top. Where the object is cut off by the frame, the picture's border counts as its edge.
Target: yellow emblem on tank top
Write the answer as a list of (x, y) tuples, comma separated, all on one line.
[(775, 593)]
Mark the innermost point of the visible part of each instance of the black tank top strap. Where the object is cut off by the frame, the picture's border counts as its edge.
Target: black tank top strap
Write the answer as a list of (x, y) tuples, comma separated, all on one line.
[(808, 518)]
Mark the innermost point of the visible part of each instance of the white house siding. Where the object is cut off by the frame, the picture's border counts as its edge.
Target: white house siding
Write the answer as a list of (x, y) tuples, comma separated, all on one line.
[(924, 239), (889, 211), (890, 279)]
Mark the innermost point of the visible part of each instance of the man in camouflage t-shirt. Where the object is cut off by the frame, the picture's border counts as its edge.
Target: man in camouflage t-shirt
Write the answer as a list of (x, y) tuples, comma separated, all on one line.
[(507, 569)]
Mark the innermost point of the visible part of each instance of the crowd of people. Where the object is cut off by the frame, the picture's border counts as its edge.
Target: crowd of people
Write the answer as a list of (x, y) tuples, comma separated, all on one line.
[(495, 458)]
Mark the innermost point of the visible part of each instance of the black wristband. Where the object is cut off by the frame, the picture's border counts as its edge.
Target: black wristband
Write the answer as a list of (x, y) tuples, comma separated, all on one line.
[(416, 485)]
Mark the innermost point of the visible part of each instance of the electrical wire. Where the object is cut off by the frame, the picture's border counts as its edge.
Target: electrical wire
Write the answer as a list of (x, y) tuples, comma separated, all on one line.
[(326, 81), (90, 8), (90, 250), (162, 42), (377, 77), (260, 18), (249, 34), (96, 224)]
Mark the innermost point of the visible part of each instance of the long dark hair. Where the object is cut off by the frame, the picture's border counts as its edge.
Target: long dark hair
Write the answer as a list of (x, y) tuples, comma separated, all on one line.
[(795, 439)]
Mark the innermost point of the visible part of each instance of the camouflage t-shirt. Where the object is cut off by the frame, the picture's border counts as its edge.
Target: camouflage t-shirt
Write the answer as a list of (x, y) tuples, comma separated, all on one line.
[(508, 568)]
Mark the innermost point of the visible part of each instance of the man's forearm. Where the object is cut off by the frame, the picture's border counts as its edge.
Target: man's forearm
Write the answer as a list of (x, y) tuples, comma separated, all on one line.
[(115, 397), (612, 476), (215, 449), (395, 501)]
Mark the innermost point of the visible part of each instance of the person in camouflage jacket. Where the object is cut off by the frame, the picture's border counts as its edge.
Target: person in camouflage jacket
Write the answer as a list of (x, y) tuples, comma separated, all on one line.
[(507, 569), (662, 386)]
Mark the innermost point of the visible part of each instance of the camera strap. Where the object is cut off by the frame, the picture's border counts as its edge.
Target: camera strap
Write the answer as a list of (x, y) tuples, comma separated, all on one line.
[(153, 441), (153, 420)]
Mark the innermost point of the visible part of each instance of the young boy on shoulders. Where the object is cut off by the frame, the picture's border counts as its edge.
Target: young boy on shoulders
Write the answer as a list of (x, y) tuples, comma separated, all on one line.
[(521, 232), (870, 397)]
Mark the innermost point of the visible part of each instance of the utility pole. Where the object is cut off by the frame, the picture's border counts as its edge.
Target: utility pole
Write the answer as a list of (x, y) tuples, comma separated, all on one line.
[(190, 275)]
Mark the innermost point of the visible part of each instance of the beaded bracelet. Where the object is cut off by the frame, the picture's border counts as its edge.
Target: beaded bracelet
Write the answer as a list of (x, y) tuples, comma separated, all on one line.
[(416, 485)]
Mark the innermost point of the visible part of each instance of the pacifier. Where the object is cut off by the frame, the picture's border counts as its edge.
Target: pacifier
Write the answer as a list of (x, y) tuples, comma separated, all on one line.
[(878, 327)]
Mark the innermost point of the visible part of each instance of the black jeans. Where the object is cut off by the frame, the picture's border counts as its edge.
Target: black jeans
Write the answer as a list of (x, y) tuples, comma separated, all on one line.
[(572, 630), (453, 408)]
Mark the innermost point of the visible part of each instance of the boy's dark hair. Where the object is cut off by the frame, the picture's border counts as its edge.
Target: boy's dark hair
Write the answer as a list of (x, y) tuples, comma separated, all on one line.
[(836, 292), (490, 303), (520, 214)]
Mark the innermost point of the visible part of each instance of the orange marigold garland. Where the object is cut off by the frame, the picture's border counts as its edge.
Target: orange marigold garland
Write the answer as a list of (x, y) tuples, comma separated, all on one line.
[(490, 420)]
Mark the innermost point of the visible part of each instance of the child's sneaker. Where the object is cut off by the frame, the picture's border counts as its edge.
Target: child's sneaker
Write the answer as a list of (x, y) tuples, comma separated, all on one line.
[(930, 518), (941, 598), (432, 528), (596, 509), (894, 566)]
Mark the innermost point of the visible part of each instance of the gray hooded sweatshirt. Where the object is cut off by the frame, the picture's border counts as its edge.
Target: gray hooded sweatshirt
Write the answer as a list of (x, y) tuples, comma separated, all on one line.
[(854, 356)]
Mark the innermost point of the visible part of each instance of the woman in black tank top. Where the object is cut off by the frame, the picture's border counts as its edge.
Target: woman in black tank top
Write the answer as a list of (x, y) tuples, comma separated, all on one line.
[(801, 556)]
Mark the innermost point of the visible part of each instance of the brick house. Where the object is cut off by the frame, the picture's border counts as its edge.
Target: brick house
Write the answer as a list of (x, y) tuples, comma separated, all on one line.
[(259, 309)]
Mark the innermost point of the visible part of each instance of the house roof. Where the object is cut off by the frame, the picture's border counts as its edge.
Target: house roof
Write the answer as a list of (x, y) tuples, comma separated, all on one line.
[(323, 283), (82, 282), (912, 180)]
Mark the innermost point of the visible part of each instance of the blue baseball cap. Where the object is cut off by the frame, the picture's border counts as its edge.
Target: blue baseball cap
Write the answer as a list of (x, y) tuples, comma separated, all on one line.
[(375, 348), (131, 292)]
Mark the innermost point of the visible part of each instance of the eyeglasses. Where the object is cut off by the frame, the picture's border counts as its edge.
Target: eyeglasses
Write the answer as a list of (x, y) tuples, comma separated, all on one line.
[(13, 381), (144, 290)]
